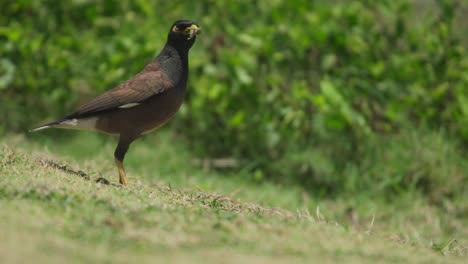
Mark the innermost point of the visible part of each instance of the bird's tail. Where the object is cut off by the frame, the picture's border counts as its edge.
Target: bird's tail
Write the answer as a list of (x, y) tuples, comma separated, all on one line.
[(70, 122), (48, 125)]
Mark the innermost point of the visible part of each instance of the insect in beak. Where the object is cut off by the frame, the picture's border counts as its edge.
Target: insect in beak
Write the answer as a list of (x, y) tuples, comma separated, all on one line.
[(193, 30)]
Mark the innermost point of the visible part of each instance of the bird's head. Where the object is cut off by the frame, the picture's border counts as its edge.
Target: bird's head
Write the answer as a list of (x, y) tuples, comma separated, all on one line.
[(183, 34)]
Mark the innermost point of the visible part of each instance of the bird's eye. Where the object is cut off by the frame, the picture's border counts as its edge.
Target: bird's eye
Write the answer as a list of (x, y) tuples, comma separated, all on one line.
[(175, 29)]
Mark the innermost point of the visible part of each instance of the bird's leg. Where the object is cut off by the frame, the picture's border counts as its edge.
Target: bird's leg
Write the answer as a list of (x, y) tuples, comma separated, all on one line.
[(122, 174), (119, 156)]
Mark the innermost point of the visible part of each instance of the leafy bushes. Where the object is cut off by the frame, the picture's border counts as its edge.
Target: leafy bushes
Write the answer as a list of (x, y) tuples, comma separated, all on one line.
[(302, 91), (299, 93)]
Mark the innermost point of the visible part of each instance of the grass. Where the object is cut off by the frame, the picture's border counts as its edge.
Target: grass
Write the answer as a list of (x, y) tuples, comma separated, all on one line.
[(52, 210)]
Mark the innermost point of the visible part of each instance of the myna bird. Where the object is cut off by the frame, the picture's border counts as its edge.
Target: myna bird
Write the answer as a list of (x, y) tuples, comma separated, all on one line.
[(143, 103)]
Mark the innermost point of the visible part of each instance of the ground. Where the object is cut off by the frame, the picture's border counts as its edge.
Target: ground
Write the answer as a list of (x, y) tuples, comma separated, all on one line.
[(52, 210)]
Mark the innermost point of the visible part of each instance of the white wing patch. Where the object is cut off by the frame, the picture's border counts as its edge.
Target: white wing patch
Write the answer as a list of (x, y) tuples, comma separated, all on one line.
[(130, 105)]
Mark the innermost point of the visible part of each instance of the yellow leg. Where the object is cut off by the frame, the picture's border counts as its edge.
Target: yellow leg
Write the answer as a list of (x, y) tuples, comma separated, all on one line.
[(122, 174)]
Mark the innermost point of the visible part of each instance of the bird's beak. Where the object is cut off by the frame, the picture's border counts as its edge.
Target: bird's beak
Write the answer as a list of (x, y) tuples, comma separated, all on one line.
[(192, 31)]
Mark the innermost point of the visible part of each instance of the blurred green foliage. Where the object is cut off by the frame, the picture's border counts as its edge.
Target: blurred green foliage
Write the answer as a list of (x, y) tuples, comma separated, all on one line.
[(336, 95)]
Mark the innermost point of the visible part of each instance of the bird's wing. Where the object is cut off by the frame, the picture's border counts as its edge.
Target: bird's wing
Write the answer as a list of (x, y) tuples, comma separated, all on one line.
[(149, 82)]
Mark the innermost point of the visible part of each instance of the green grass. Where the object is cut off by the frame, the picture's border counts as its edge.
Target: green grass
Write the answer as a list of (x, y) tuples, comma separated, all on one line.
[(175, 212)]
